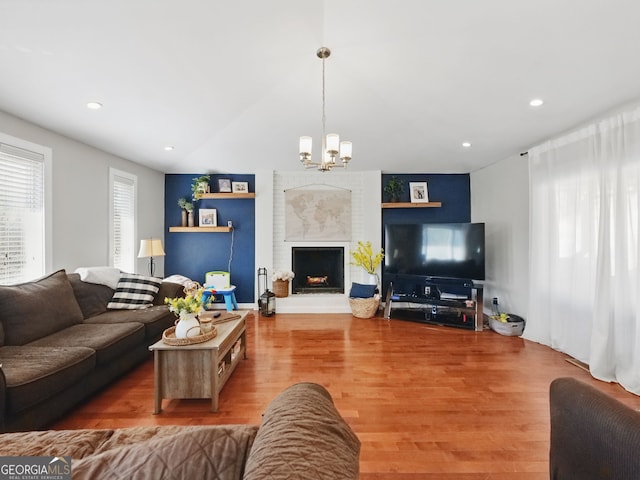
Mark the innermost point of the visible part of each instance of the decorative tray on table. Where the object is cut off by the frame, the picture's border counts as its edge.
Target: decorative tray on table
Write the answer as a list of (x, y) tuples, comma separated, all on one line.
[(169, 337)]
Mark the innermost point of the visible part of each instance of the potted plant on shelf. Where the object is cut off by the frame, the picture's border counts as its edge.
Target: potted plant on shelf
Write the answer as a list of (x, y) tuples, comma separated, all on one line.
[(199, 186), (183, 203), (364, 257), (187, 212), (394, 188)]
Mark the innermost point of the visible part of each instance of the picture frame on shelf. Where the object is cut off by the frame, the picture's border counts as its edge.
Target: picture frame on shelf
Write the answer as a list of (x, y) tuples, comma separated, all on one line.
[(224, 185), (240, 187), (207, 217), (418, 192)]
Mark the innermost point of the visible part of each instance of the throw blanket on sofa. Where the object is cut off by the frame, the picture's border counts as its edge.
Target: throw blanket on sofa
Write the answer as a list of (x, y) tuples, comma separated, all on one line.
[(302, 437)]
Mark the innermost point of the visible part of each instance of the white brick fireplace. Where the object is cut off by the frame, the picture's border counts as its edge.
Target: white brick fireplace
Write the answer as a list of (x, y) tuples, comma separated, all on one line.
[(274, 253)]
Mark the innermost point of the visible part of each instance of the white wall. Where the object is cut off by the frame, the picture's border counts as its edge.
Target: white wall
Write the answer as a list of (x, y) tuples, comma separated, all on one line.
[(274, 253), (500, 198), (81, 197)]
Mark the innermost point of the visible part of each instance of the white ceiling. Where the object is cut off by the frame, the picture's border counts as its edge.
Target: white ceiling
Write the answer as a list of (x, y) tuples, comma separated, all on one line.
[(233, 84)]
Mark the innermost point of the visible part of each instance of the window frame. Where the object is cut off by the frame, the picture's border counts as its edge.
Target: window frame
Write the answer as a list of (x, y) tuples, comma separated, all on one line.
[(114, 173), (47, 194)]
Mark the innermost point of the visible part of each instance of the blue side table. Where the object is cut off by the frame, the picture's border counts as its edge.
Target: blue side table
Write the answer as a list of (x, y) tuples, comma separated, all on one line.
[(229, 295)]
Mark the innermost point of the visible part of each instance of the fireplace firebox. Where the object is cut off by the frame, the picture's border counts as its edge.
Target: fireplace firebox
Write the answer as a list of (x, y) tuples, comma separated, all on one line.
[(317, 270)]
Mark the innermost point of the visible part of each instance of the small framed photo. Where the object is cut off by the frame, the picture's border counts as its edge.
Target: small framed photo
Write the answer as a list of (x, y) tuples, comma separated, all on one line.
[(240, 187), (208, 217), (224, 185), (419, 192)]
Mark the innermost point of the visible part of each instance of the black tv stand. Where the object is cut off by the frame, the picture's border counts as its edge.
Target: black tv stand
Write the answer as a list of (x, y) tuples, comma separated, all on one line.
[(463, 308)]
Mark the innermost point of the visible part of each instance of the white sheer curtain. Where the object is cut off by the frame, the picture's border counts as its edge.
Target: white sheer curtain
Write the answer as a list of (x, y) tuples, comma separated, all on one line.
[(585, 251)]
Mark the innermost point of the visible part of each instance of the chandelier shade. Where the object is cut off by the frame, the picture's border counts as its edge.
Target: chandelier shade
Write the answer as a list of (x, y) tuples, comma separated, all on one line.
[(332, 147)]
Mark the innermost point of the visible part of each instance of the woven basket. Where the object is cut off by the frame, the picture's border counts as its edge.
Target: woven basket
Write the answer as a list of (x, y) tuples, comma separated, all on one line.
[(364, 307), (281, 288), (169, 337)]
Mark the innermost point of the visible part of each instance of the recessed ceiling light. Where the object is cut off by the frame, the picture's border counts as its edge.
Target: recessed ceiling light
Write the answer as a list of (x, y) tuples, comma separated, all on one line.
[(168, 148), (536, 102), (466, 144), (94, 105)]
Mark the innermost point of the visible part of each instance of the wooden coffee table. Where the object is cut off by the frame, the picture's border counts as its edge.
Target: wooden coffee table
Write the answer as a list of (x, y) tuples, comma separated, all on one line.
[(199, 370)]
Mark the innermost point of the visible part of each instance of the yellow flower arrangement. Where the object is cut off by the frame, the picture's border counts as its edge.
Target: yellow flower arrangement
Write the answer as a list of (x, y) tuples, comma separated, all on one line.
[(191, 303), (363, 257)]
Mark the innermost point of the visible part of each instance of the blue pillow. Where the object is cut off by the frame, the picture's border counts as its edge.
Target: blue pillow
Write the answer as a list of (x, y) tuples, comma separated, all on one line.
[(360, 290)]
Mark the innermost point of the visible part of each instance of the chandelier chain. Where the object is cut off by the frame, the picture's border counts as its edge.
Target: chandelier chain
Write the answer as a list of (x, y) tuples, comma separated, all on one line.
[(324, 115), (332, 148)]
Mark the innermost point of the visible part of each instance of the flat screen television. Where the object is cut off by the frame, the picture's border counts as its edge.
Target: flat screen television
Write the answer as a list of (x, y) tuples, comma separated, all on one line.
[(446, 250)]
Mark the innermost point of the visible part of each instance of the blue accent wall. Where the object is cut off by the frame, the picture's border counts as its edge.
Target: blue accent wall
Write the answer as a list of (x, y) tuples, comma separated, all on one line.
[(194, 254), (453, 190)]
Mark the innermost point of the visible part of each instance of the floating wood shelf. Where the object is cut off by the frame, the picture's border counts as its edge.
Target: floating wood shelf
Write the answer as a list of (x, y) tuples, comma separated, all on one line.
[(411, 205), (200, 229), (228, 196)]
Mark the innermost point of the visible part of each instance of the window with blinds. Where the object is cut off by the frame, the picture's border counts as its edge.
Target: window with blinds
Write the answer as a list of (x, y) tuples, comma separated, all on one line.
[(123, 220), (22, 214)]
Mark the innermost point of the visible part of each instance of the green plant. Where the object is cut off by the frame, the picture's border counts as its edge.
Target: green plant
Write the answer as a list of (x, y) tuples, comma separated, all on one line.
[(192, 302), (196, 187), (394, 188), (185, 205), (188, 207), (363, 257)]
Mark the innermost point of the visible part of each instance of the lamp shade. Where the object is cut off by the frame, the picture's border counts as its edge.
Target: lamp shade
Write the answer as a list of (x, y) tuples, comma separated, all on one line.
[(345, 150), (305, 145), (151, 248), (333, 143)]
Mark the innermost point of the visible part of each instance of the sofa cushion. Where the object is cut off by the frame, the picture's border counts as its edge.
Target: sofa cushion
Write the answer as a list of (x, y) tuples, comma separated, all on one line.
[(122, 437), (34, 374), (155, 319), (300, 430), (168, 290), (109, 341), (134, 291), (32, 310), (92, 297), (54, 443), (217, 452)]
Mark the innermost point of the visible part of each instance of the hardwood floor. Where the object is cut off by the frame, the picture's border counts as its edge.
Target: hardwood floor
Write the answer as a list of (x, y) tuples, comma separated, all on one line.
[(427, 402)]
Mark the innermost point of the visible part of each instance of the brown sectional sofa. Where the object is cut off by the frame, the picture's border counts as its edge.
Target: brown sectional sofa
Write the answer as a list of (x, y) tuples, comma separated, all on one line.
[(59, 344), (302, 437)]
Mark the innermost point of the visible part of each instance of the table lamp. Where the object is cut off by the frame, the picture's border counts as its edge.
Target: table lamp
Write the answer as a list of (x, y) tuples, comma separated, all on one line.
[(151, 248)]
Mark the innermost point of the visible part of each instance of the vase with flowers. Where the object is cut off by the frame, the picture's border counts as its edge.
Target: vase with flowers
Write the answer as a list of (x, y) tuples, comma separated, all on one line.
[(187, 309), (364, 257), (281, 280)]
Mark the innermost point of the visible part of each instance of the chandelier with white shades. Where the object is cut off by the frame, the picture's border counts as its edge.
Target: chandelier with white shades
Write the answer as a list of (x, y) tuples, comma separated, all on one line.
[(332, 147)]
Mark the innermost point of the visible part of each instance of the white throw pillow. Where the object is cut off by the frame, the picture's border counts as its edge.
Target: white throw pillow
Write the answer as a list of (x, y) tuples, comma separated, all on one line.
[(109, 276), (179, 279)]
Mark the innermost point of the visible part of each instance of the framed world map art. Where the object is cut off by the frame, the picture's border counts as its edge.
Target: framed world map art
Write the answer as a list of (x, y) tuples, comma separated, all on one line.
[(317, 215)]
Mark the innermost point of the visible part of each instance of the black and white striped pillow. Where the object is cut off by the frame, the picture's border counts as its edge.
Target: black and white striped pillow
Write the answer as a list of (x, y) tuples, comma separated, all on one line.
[(134, 292)]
